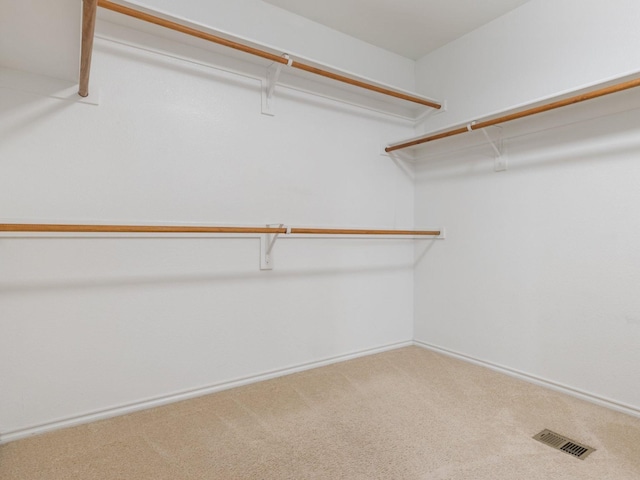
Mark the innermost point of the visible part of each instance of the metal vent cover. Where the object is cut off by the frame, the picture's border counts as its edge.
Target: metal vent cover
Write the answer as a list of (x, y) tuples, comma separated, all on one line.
[(564, 444)]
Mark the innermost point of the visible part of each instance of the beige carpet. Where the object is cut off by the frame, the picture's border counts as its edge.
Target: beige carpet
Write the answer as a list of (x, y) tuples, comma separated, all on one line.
[(403, 414)]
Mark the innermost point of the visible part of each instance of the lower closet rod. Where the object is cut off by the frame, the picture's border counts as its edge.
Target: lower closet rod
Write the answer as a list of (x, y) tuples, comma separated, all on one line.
[(60, 228)]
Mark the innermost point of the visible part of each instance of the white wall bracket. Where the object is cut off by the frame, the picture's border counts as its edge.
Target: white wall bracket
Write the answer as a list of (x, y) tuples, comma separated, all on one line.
[(267, 242), (269, 86), (497, 144)]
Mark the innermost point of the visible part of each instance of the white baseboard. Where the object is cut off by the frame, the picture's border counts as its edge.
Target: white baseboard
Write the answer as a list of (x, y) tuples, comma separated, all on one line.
[(559, 387), (18, 434)]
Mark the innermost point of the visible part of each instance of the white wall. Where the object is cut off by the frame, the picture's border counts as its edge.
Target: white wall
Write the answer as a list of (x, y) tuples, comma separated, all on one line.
[(41, 36), (92, 324), (540, 270), (267, 24), (542, 49)]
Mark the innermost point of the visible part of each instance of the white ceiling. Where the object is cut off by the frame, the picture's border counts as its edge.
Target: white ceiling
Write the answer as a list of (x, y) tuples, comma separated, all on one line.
[(411, 28)]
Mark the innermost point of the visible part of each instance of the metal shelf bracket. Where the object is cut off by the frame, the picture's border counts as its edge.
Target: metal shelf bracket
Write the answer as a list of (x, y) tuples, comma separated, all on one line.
[(497, 144), (267, 242)]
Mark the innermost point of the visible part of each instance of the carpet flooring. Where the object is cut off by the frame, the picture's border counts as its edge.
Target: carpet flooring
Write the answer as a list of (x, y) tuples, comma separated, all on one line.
[(404, 414)]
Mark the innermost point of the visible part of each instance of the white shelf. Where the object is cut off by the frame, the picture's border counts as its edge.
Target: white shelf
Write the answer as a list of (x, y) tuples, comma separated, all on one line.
[(151, 37)]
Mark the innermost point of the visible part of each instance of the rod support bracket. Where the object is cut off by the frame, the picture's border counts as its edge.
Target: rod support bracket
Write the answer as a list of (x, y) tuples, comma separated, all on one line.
[(267, 242), (497, 144)]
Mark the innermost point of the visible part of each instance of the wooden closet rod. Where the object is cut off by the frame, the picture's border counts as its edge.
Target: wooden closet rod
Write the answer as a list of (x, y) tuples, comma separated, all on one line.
[(89, 8), (257, 52), (525, 113), (69, 228)]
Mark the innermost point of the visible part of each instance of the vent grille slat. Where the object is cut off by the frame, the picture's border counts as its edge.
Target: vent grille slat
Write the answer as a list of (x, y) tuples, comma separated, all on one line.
[(563, 444), (552, 439), (573, 449)]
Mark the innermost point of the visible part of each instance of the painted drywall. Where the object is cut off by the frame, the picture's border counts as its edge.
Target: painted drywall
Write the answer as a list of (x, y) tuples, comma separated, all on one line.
[(266, 24), (540, 270), (43, 37), (93, 324), (539, 50)]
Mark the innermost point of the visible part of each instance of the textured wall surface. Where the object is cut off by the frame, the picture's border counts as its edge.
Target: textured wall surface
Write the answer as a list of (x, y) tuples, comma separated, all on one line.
[(89, 324), (259, 21), (539, 273), (542, 49), (41, 37), (540, 269)]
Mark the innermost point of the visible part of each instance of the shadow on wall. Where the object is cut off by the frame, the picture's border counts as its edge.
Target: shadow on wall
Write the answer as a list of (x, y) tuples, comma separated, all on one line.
[(187, 65), (27, 287), (222, 69), (24, 111), (606, 137)]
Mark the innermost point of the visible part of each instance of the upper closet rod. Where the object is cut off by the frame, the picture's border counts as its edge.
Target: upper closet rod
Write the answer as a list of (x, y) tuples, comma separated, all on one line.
[(69, 228), (243, 48), (525, 113)]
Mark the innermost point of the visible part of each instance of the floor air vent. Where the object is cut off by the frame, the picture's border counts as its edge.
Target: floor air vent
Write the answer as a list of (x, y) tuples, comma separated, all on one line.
[(564, 444)]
